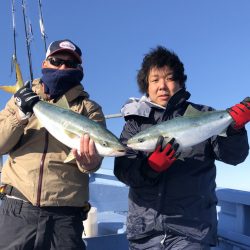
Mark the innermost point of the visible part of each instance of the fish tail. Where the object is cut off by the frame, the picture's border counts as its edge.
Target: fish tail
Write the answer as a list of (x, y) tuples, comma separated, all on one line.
[(19, 77), (19, 84), (9, 89)]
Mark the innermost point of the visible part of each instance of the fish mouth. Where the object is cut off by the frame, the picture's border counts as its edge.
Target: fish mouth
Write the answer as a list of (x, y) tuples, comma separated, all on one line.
[(119, 153)]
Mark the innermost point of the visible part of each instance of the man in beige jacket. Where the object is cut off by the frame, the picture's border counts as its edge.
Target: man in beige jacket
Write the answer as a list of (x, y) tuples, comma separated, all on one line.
[(45, 200)]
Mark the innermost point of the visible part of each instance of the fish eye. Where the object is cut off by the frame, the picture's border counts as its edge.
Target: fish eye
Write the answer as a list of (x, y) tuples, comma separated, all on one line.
[(141, 140), (104, 144)]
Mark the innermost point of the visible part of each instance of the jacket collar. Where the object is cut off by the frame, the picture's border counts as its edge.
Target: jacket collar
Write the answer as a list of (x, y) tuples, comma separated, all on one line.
[(75, 92), (71, 94), (143, 106), (178, 99)]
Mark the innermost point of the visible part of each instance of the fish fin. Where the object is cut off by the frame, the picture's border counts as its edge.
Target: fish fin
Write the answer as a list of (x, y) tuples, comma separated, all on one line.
[(39, 124), (181, 158), (223, 133), (191, 111), (62, 102), (184, 153), (69, 158), (69, 134)]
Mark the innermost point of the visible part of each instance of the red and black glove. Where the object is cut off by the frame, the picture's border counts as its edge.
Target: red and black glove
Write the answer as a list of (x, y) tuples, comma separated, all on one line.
[(240, 113), (162, 158)]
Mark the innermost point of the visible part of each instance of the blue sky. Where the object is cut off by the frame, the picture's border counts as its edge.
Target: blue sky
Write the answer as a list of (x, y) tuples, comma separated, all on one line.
[(211, 37)]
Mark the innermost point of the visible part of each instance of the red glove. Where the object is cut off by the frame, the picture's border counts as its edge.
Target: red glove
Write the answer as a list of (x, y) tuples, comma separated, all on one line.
[(240, 113), (161, 159)]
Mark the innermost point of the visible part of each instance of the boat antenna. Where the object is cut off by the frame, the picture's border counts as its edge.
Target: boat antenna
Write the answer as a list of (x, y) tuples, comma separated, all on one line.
[(28, 36), (41, 23)]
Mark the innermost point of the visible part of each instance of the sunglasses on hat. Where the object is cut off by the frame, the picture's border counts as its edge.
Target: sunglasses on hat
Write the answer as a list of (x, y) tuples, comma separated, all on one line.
[(57, 62)]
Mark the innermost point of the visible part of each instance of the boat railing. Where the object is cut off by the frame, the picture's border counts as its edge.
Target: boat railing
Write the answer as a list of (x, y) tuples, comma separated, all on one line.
[(233, 216)]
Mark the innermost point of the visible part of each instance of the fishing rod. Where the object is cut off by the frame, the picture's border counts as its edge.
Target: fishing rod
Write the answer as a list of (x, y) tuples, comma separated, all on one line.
[(14, 56), (28, 39), (41, 23), (113, 116), (14, 26)]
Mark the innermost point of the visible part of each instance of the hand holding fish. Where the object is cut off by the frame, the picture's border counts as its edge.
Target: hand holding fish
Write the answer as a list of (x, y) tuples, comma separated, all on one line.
[(88, 155), (25, 99), (162, 158), (240, 113)]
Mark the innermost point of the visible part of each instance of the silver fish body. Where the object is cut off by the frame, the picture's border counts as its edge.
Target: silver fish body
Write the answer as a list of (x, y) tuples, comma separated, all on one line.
[(68, 126), (187, 130)]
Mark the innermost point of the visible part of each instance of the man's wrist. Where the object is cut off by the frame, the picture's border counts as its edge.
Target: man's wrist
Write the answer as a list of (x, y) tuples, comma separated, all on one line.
[(21, 117), (147, 171), (89, 168), (233, 131)]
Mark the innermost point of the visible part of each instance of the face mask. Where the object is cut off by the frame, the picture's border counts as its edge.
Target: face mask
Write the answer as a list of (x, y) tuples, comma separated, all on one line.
[(58, 82)]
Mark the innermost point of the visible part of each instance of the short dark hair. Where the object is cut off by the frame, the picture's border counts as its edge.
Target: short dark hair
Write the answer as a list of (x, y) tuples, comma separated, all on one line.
[(160, 57)]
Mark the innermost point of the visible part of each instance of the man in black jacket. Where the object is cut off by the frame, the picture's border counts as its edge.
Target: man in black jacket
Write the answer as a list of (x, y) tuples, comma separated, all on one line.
[(172, 201)]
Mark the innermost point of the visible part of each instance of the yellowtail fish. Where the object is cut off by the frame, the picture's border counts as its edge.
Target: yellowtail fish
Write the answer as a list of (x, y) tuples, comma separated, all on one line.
[(68, 126), (188, 130)]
